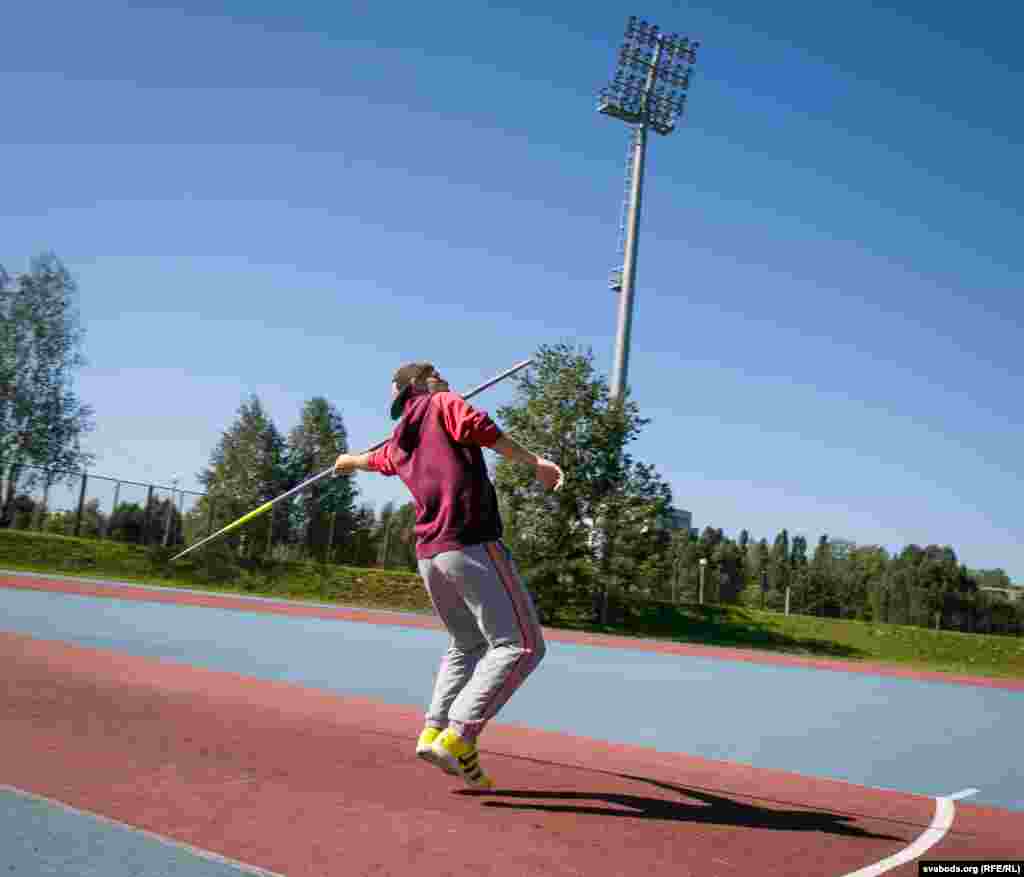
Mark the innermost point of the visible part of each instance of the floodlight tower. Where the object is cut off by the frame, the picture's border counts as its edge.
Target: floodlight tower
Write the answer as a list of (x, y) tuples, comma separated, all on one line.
[(648, 91)]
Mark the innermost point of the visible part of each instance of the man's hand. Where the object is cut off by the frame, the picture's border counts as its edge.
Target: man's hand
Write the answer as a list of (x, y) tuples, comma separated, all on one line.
[(549, 474), (345, 463)]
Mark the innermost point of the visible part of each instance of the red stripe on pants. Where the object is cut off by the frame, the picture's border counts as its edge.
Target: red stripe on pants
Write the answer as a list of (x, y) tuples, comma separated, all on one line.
[(514, 589)]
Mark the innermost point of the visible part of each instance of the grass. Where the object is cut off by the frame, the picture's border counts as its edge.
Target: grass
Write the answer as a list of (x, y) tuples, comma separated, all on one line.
[(858, 641), (27, 551), (732, 626)]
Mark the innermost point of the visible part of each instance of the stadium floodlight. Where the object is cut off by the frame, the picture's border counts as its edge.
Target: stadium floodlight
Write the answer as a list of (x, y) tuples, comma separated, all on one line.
[(648, 90)]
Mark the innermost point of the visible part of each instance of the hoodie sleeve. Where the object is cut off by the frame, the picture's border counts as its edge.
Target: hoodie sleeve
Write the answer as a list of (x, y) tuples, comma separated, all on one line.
[(464, 423), (380, 461)]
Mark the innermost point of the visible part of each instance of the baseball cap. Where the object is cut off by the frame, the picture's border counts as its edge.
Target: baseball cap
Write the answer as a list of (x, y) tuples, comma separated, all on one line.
[(404, 378)]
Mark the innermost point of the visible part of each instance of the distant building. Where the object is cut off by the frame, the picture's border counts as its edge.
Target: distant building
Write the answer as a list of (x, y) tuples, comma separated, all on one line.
[(841, 548), (674, 519), (677, 519), (1012, 594)]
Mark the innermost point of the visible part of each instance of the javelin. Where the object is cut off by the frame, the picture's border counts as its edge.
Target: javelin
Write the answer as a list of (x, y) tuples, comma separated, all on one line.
[(255, 512)]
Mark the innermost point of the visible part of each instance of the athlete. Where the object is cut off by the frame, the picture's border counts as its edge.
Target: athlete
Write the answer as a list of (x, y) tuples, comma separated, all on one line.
[(496, 639)]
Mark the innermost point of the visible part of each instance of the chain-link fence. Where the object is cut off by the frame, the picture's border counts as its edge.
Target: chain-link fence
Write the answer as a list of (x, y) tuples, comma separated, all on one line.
[(101, 507), (92, 506)]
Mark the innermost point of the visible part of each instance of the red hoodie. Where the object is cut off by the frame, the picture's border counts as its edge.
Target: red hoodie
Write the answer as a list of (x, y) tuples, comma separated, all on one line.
[(435, 450)]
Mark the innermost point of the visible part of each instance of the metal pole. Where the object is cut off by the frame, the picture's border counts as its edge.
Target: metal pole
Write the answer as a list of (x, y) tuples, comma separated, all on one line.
[(625, 319), (170, 515), (44, 507), (113, 509), (81, 502), (385, 548), (626, 297), (703, 566), (181, 518), (330, 535), (148, 516)]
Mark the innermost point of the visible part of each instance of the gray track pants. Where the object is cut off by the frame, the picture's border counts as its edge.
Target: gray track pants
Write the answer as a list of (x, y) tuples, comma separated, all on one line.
[(496, 639)]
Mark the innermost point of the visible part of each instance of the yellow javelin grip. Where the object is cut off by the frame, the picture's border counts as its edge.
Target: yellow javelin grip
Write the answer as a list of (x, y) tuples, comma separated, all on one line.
[(250, 515)]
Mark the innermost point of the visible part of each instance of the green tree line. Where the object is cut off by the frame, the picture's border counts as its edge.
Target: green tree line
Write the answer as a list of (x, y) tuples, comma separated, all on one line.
[(601, 540)]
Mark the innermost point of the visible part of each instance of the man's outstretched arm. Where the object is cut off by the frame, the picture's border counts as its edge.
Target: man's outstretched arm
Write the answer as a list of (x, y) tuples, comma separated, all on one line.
[(372, 461), (548, 473)]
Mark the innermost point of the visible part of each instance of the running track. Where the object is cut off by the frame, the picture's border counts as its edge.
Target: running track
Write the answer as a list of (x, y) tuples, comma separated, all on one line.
[(263, 776)]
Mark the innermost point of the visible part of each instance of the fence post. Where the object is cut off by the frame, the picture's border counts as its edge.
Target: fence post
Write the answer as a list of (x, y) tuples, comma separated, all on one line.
[(113, 509), (148, 516), (81, 502), (180, 534), (330, 535), (40, 513), (170, 517)]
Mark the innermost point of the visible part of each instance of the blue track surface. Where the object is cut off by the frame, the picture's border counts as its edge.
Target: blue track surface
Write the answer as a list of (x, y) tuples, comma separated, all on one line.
[(928, 738), (42, 838)]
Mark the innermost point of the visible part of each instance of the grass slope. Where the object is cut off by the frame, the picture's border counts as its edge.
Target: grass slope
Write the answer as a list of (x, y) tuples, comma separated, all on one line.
[(734, 626)]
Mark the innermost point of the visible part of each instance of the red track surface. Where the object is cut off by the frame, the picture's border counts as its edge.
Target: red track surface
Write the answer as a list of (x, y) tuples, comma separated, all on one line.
[(304, 782), (223, 601)]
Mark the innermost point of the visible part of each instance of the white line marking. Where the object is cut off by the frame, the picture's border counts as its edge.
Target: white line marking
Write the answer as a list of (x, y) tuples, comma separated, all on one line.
[(167, 841), (966, 793), (945, 810)]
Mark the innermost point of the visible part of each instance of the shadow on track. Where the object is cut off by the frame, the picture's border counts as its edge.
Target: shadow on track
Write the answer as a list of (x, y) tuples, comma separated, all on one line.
[(714, 809)]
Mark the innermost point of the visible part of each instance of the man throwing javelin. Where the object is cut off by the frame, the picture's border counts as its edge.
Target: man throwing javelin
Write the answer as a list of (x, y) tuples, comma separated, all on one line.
[(496, 639)]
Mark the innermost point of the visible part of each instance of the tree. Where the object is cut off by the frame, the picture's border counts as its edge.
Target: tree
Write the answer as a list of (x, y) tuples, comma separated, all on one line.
[(799, 571), (708, 545), (743, 549), (758, 562), (42, 419), (729, 562), (919, 581), (778, 575), (751, 571), (862, 581), (821, 590), (683, 551), (246, 470), (362, 548), (744, 541), (325, 513), (24, 511), (403, 533), (642, 560), (385, 540), (944, 581), (127, 522), (159, 525), (93, 520), (607, 513)]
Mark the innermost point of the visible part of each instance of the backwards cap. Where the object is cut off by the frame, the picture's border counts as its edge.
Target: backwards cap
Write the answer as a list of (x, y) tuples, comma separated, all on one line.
[(407, 375)]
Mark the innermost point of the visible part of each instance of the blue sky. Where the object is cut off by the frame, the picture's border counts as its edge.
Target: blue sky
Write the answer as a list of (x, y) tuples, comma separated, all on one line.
[(292, 199)]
